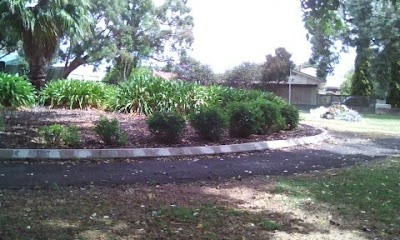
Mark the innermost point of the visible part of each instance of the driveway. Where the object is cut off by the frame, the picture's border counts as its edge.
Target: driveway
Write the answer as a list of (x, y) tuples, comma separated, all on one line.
[(343, 149)]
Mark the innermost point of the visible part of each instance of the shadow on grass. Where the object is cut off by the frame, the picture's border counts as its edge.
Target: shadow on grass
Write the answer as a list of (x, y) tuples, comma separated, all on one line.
[(247, 209), (369, 194)]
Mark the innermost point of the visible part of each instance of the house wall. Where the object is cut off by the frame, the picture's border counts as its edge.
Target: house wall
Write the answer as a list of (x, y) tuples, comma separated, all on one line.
[(301, 94)]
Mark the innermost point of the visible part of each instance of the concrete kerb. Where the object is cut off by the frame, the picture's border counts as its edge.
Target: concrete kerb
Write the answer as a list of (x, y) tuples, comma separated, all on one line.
[(59, 154)]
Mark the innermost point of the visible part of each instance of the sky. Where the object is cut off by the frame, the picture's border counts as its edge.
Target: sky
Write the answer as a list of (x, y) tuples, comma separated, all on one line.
[(229, 32)]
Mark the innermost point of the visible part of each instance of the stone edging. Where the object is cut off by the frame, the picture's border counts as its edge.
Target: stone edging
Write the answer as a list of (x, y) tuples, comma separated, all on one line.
[(156, 152)]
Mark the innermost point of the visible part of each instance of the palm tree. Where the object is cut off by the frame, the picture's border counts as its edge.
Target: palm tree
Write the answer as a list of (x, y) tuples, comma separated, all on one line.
[(40, 24)]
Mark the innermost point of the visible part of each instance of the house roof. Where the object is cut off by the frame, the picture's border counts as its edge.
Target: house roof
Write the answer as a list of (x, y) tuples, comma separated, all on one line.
[(307, 72), (11, 59)]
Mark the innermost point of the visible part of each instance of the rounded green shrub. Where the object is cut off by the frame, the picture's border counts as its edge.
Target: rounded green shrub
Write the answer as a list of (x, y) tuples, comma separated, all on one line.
[(16, 92), (166, 127), (273, 119), (57, 135), (290, 115), (209, 122), (110, 131), (245, 119), (76, 94)]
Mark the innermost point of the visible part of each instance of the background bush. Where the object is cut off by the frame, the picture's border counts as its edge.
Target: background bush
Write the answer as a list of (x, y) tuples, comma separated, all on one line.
[(76, 94), (245, 119), (110, 131), (290, 115), (166, 127), (16, 92), (58, 135), (209, 122)]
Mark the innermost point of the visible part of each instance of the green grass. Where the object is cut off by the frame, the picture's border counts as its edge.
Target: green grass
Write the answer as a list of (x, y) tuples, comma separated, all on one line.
[(269, 225), (365, 192), (371, 124)]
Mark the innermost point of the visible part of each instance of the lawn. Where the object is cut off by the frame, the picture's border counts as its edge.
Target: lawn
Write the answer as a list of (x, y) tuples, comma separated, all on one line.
[(371, 124), (357, 203)]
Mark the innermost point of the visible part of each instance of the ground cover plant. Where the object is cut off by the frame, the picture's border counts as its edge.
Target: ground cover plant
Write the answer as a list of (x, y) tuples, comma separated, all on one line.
[(58, 135), (76, 94), (16, 92), (110, 131)]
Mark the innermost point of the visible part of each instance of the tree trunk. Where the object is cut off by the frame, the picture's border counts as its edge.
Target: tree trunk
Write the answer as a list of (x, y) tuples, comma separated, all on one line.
[(37, 75), (74, 65)]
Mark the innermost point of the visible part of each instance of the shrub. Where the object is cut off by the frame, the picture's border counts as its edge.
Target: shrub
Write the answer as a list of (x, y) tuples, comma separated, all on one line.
[(291, 116), (72, 136), (16, 92), (110, 131), (57, 135), (166, 126), (2, 123), (273, 119), (75, 94), (245, 119), (209, 122)]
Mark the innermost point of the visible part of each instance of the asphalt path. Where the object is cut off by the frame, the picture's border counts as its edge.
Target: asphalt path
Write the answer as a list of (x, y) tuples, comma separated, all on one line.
[(343, 149)]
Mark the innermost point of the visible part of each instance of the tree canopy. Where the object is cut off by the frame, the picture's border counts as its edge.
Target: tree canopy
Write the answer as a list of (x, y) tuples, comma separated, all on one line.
[(372, 27), (128, 32), (39, 25), (277, 68)]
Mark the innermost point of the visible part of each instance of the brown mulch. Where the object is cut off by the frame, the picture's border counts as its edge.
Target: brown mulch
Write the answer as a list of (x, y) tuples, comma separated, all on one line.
[(22, 126)]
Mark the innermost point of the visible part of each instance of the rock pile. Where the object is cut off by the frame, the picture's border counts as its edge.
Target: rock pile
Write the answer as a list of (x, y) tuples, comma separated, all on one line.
[(337, 112)]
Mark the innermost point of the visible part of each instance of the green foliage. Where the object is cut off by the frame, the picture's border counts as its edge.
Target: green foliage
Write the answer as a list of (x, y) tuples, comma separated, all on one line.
[(277, 68), (291, 116), (40, 28), (189, 69), (345, 87), (137, 30), (360, 84), (76, 94), (268, 225), (110, 132), (58, 135), (16, 92), (2, 123), (271, 112), (245, 119), (209, 122), (166, 127), (243, 75), (394, 95), (145, 94), (72, 136)]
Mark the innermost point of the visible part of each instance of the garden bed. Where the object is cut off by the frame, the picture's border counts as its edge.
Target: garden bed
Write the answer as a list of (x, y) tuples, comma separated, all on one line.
[(21, 130)]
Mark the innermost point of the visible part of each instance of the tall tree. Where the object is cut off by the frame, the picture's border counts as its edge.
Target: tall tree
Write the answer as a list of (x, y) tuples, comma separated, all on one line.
[(128, 32), (277, 68), (40, 25), (243, 75), (190, 69), (359, 15)]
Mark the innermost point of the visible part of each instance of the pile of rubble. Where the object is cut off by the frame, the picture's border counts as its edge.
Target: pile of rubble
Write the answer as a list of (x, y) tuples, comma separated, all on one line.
[(337, 112)]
